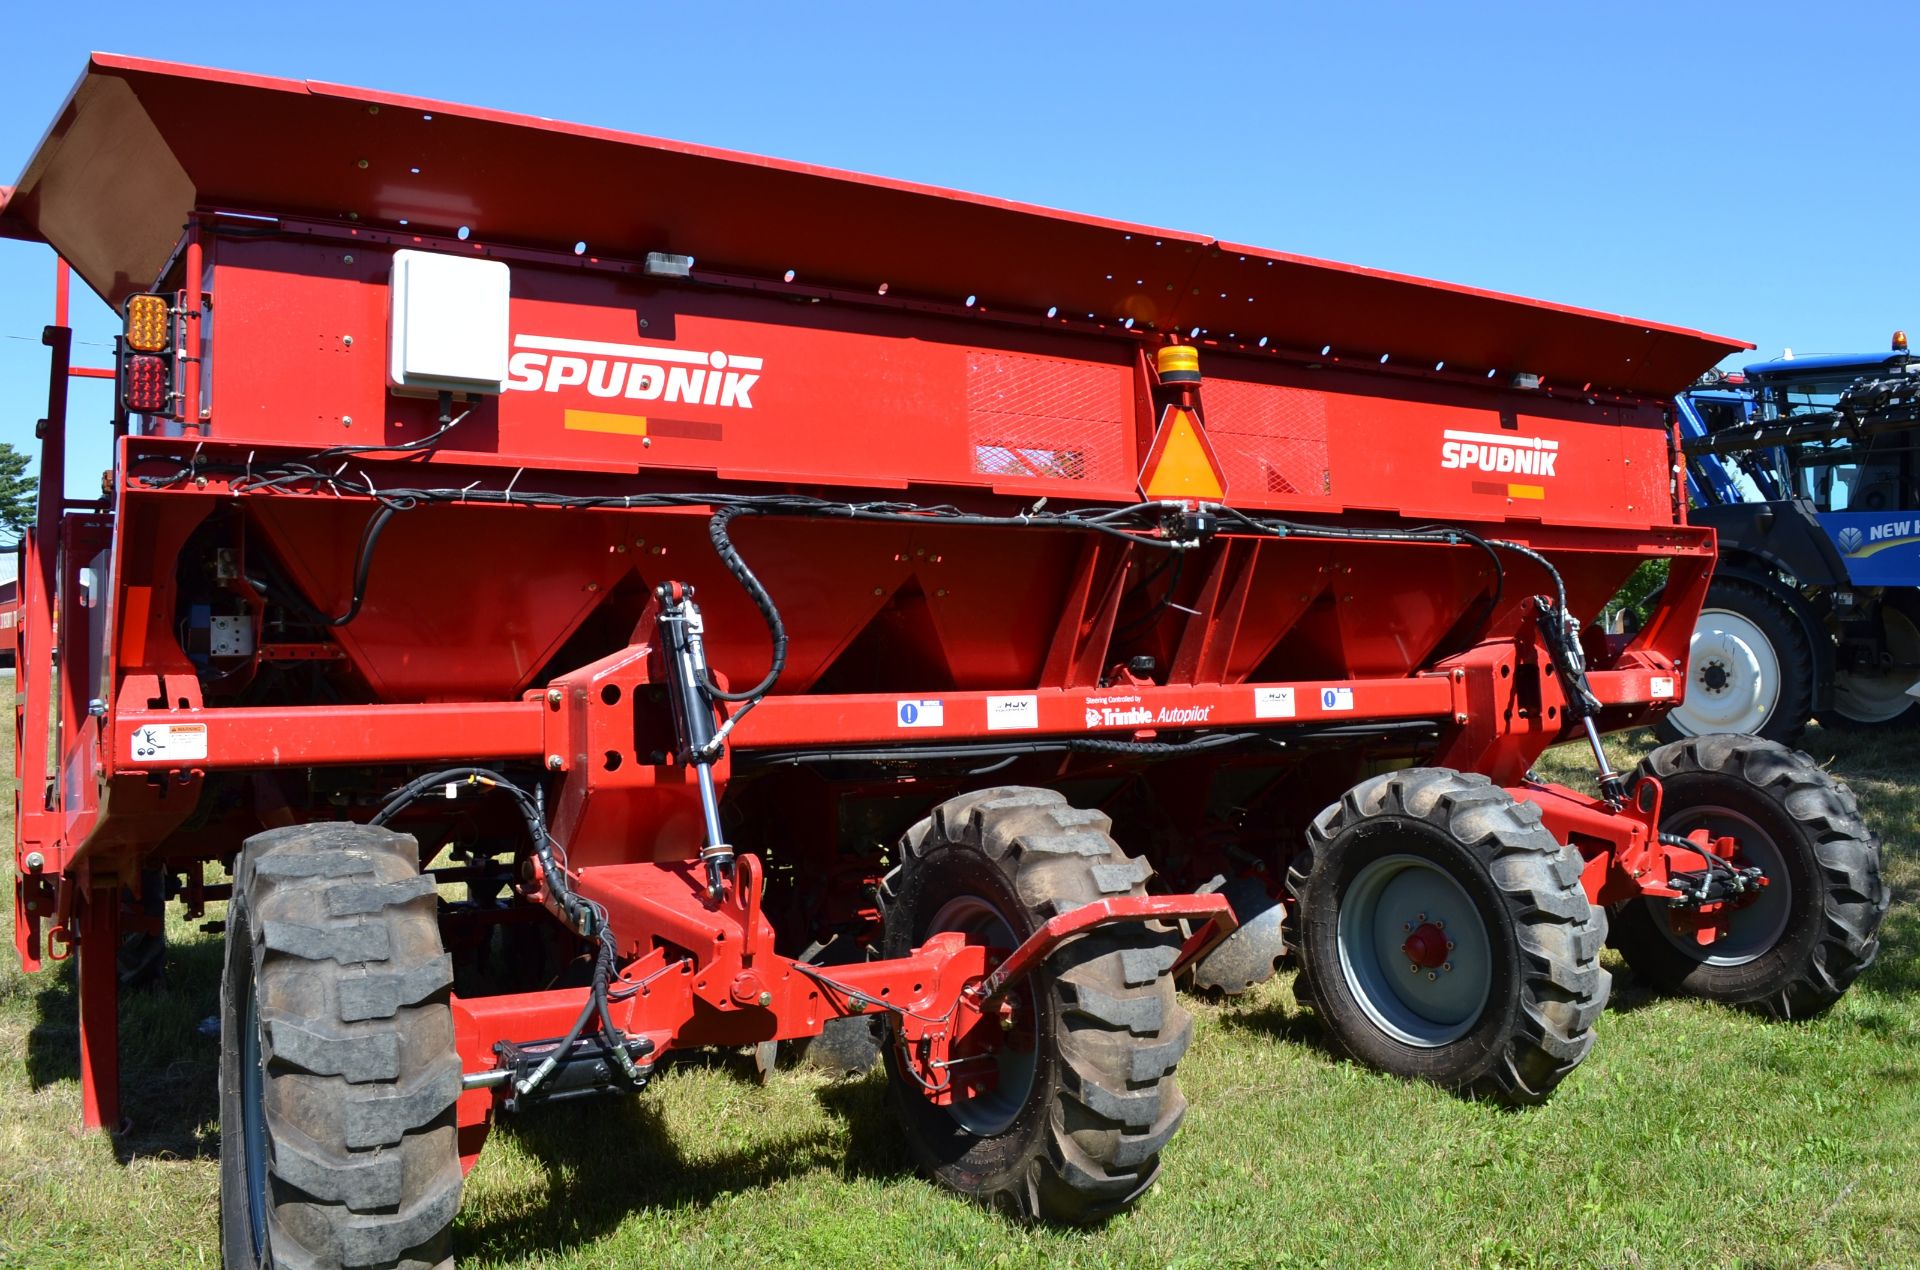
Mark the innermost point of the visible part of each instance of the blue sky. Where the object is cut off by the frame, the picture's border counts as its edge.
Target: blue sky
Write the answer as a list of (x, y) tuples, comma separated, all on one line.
[(1747, 170)]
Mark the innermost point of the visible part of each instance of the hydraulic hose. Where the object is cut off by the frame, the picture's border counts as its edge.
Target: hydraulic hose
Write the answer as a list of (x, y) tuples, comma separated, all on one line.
[(363, 562), (730, 557)]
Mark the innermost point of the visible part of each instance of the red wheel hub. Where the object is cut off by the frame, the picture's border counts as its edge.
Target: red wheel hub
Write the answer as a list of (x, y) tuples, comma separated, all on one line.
[(1427, 946)]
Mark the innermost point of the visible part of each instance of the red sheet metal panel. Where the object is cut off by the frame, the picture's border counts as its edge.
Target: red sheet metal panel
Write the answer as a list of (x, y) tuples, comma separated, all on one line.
[(727, 385), (141, 144)]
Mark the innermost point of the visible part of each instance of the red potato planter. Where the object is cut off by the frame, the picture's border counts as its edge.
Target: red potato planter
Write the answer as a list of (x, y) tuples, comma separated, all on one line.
[(775, 604)]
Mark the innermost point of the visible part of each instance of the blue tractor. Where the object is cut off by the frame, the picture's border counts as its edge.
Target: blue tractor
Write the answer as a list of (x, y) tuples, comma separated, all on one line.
[(1809, 468)]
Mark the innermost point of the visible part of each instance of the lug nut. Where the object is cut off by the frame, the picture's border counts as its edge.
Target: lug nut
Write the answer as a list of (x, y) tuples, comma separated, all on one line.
[(1447, 966), (1449, 945), (1412, 969), (1431, 976)]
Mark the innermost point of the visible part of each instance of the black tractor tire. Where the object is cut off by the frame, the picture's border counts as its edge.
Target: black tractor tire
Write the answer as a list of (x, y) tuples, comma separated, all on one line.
[(1803, 655), (1851, 705), (1800, 952), (338, 1070), (1528, 934), (1084, 1142)]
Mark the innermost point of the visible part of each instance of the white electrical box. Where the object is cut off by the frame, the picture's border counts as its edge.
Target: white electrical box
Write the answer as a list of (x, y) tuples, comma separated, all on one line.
[(447, 324)]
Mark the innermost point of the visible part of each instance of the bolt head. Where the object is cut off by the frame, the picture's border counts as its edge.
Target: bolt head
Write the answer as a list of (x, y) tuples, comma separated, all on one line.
[(555, 762), (766, 999), (36, 861), (553, 696)]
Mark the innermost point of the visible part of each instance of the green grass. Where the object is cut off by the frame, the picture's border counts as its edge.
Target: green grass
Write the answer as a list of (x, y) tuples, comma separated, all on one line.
[(1693, 1135)]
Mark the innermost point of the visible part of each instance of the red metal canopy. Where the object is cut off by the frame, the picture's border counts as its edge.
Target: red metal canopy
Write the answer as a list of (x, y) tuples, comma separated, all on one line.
[(141, 144)]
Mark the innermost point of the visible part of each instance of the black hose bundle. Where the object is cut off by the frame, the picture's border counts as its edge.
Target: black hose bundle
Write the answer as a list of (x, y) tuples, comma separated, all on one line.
[(585, 916)]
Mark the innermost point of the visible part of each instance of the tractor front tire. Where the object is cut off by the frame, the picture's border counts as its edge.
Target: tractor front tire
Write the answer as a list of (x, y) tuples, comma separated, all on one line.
[(338, 1071), (1073, 1131), (1793, 951), (1444, 935), (1868, 701)]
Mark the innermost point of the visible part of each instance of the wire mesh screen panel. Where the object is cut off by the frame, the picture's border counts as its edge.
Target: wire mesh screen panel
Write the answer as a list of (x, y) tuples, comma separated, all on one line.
[(1049, 419), (1271, 440)]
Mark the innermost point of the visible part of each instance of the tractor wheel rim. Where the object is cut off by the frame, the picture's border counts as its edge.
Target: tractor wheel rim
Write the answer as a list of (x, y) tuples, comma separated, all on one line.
[(1735, 676), (253, 1125), (986, 1114), (1751, 931), (1416, 1004), (1881, 697)]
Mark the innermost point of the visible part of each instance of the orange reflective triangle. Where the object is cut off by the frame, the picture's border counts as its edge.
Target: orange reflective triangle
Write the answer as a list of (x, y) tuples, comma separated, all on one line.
[(1181, 463)]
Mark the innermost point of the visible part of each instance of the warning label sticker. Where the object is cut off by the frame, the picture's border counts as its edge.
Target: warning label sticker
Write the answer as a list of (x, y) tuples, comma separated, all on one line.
[(921, 714), (1010, 713), (1336, 698), (1662, 687), (163, 741), (1273, 703)]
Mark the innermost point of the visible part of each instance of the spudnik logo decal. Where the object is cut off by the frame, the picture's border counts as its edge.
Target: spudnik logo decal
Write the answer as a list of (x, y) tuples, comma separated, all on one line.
[(1487, 452), (1502, 455), (633, 372)]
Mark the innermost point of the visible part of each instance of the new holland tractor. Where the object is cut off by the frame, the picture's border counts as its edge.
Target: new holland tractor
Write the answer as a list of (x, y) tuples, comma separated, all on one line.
[(1806, 468)]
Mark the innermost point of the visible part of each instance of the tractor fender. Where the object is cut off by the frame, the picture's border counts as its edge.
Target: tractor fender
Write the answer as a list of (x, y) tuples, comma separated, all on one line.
[(1781, 536)]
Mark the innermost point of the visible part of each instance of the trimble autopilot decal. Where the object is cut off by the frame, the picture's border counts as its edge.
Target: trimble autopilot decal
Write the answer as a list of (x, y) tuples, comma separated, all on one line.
[(1131, 712), (1504, 455)]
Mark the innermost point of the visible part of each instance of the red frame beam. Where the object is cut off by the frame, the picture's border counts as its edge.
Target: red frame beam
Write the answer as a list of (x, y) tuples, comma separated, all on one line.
[(308, 736)]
